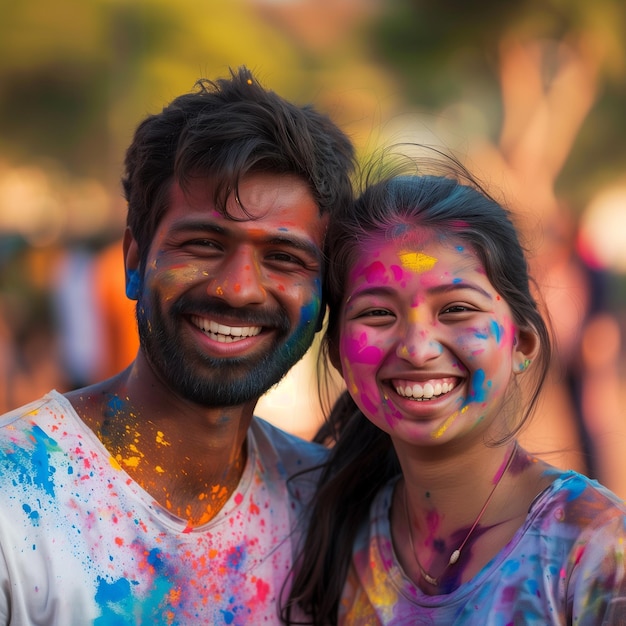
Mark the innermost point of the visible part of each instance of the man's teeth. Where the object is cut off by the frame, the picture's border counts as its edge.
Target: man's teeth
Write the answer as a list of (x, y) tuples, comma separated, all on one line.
[(223, 333), (426, 391)]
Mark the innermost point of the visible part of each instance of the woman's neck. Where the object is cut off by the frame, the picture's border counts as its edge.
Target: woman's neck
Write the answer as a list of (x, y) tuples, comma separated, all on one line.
[(450, 517)]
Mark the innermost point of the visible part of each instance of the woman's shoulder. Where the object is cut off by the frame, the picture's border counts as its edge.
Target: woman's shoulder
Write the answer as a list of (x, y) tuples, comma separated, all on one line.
[(573, 499)]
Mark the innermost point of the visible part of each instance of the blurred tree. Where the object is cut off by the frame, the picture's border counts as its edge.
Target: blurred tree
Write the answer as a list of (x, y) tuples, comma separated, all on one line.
[(75, 80), (447, 51)]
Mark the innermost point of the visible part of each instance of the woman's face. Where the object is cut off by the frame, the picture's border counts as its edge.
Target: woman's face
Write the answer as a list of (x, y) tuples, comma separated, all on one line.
[(427, 346)]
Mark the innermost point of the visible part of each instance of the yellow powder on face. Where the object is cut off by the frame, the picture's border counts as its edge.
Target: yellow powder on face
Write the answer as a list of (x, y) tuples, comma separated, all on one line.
[(417, 261), (442, 429)]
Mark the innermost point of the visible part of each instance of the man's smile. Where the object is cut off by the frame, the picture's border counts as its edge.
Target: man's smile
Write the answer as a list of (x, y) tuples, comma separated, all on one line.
[(223, 333)]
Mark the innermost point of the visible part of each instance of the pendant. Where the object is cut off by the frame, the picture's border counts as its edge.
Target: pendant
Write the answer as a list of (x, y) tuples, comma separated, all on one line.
[(454, 557)]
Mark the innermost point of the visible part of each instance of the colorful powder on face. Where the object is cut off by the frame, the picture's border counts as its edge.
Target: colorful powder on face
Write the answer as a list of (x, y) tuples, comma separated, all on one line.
[(479, 387), (417, 261), (449, 421)]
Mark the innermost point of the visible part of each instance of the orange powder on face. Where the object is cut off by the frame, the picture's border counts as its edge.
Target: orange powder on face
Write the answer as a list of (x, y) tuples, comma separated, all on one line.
[(417, 261)]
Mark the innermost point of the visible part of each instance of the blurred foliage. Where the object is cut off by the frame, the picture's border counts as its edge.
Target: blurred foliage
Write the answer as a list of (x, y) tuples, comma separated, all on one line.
[(76, 77), (446, 51)]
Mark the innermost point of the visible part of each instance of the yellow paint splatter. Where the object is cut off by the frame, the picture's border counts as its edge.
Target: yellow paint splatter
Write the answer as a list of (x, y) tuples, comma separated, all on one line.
[(133, 448), (404, 352), (160, 439), (417, 261), (131, 461), (442, 429), (159, 470), (114, 464)]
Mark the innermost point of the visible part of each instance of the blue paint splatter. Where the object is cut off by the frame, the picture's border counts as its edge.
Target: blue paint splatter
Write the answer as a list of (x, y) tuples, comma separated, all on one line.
[(32, 514), (116, 603), (496, 330), (478, 392)]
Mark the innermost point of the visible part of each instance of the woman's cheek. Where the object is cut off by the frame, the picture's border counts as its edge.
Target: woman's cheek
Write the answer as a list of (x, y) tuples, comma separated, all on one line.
[(360, 362)]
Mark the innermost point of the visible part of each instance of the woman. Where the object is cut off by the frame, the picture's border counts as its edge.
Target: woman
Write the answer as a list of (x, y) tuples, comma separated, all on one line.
[(429, 511)]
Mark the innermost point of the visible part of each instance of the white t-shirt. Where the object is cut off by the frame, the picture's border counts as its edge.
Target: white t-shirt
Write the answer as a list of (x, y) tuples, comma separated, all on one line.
[(82, 543)]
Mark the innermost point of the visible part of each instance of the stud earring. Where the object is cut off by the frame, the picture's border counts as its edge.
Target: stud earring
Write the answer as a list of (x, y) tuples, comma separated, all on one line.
[(524, 365)]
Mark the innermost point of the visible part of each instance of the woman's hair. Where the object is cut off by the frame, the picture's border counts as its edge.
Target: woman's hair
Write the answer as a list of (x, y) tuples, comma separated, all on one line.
[(363, 459)]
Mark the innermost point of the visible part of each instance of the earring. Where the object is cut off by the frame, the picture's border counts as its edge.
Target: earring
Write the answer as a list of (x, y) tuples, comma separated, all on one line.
[(524, 365)]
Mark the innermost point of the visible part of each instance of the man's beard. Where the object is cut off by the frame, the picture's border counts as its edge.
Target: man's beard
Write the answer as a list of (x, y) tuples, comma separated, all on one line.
[(223, 381)]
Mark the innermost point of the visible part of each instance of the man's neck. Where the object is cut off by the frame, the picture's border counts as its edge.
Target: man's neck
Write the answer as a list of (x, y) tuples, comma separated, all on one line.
[(189, 458)]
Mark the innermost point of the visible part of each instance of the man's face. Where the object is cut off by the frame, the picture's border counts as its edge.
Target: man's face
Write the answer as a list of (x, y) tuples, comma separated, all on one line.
[(226, 307)]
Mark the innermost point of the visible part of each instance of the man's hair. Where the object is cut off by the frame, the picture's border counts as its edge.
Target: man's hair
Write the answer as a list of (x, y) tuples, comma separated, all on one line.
[(225, 129)]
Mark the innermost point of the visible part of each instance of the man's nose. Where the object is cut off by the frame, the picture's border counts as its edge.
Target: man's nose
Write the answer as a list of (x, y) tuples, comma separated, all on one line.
[(240, 279)]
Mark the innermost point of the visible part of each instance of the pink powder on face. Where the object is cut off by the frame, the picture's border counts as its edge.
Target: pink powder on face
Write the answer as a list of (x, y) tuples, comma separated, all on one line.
[(376, 272), (357, 350)]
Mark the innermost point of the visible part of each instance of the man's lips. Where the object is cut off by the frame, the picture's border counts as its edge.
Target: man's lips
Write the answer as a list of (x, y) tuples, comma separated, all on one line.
[(223, 333), (424, 390)]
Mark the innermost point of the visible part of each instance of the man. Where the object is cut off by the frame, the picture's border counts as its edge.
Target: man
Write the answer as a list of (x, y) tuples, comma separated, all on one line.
[(155, 496)]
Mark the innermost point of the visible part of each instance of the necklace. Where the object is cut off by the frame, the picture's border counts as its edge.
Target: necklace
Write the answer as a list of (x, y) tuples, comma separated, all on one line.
[(454, 557)]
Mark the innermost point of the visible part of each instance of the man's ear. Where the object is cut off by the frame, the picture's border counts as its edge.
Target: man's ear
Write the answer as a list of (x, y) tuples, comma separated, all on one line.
[(525, 349), (131, 265)]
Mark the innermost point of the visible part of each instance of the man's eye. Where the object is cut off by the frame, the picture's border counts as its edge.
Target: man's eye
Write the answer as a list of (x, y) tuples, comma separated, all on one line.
[(284, 257), (206, 243)]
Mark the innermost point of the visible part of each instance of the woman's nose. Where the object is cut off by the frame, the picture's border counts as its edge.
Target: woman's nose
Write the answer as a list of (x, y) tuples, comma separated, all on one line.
[(419, 343)]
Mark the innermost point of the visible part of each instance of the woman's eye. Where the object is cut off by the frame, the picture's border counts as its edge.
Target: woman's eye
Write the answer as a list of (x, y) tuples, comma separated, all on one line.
[(374, 315), (457, 308)]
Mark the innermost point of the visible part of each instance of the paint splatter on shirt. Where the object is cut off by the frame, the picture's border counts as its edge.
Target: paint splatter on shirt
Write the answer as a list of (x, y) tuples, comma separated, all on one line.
[(565, 565), (82, 543)]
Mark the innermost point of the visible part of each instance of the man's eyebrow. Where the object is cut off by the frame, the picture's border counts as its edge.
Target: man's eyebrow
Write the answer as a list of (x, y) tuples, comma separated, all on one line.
[(293, 241), (299, 243)]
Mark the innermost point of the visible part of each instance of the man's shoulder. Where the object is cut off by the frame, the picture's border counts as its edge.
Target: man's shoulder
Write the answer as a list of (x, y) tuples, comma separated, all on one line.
[(31, 413), (285, 444)]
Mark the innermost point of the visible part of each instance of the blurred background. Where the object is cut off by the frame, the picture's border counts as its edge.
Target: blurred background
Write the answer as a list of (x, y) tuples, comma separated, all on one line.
[(529, 94)]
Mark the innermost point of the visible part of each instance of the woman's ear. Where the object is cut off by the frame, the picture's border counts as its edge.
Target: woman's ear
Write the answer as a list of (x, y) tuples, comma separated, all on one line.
[(525, 349), (131, 265)]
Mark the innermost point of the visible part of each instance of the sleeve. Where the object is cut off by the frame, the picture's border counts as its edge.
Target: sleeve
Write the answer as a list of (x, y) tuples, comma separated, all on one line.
[(597, 584)]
